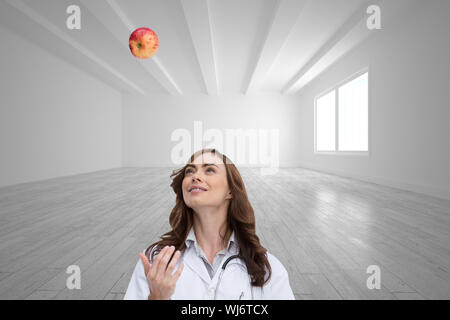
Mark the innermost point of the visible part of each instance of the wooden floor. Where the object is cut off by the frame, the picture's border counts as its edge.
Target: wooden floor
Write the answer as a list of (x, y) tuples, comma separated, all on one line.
[(325, 229)]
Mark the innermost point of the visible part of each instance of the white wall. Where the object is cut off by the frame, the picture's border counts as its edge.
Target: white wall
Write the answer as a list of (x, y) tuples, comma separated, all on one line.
[(149, 122), (409, 109), (55, 120)]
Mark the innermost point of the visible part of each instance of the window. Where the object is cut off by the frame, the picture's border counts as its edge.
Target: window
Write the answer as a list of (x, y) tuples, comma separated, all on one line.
[(325, 110), (342, 118)]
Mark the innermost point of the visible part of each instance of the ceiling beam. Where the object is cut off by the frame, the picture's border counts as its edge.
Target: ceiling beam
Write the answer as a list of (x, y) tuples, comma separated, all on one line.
[(198, 19), (45, 23), (122, 31), (283, 21), (351, 33)]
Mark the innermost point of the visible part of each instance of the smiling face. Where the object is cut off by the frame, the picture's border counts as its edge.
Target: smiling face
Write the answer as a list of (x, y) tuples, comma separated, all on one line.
[(205, 182)]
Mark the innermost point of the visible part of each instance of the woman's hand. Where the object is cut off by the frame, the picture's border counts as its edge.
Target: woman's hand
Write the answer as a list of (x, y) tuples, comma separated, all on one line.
[(159, 275)]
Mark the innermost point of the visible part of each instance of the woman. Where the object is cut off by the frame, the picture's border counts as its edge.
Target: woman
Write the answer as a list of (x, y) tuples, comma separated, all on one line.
[(212, 221)]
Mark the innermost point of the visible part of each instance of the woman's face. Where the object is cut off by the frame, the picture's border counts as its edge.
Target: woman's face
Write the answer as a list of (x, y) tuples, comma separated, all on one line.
[(208, 173)]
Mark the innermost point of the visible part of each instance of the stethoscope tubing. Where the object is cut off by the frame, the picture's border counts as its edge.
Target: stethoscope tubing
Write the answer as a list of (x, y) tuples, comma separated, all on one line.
[(224, 265)]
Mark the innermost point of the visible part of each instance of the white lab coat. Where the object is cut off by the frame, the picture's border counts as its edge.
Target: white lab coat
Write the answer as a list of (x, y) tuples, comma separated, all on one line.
[(196, 284)]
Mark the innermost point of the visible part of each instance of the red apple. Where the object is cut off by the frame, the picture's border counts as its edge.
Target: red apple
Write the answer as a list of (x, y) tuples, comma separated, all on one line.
[(143, 43)]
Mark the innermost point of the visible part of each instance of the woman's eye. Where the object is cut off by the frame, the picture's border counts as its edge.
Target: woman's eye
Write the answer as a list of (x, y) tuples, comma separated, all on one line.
[(190, 170)]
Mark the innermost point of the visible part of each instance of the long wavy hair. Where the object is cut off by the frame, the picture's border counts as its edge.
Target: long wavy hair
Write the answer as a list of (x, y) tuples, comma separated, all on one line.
[(240, 219)]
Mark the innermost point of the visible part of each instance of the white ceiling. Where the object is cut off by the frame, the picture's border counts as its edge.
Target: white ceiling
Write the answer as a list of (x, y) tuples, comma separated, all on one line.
[(205, 46)]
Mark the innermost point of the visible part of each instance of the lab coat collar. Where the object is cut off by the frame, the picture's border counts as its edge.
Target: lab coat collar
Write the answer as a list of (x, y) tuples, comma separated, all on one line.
[(191, 239), (194, 262)]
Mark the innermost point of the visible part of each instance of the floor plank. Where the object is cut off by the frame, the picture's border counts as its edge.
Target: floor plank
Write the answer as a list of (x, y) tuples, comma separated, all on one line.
[(325, 229)]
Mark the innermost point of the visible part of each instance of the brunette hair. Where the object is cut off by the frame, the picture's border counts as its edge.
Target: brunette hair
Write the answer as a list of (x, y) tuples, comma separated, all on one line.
[(240, 219)]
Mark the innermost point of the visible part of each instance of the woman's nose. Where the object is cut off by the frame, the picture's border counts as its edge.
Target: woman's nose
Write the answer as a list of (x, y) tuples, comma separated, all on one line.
[(195, 176)]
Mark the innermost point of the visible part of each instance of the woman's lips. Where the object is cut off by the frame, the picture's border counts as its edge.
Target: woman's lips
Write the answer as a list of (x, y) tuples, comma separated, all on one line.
[(197, 191)]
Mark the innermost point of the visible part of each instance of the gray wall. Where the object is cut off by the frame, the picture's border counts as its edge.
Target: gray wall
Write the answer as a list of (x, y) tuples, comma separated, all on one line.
[(409, 109), (55, 120)]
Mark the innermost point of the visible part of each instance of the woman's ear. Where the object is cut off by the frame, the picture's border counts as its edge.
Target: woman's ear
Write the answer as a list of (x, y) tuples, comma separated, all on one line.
[(229, 196)]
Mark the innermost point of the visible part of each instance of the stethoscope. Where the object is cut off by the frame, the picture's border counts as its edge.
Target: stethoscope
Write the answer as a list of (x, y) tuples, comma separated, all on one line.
[(224, 265)]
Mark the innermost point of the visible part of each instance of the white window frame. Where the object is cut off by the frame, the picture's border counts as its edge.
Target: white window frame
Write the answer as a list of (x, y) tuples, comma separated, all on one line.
[(336, 89)]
